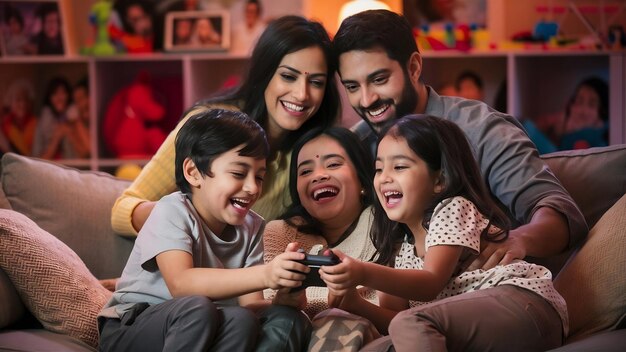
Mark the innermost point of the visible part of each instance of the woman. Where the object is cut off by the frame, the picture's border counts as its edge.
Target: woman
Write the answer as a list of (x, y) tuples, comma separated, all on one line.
[(330, 182), (289, 88)]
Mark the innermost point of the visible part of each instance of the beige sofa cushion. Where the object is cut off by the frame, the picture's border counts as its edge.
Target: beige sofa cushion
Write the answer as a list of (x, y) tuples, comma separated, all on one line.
[(595, 177), (50, 278), (593, 281), (73, 205)]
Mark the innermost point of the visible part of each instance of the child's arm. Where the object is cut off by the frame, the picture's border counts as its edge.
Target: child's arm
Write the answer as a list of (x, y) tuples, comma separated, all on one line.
[(440, 263), (183, 279)]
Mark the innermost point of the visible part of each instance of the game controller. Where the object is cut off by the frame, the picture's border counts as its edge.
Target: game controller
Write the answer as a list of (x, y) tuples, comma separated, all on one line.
[(315, 262)]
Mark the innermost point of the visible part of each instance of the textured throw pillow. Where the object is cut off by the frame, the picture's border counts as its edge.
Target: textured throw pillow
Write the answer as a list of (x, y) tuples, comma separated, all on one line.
[(593, 282), (52, 281)]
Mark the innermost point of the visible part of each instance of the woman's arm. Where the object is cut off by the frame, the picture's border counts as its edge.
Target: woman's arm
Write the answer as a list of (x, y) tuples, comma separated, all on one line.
[(156, 179)]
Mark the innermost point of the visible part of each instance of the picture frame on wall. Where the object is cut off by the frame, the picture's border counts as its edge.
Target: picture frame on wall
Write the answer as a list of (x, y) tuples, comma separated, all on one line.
[(197, 31), (32, 28)]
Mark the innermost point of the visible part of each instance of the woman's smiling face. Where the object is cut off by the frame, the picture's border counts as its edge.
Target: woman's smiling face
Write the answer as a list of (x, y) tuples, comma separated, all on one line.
[(296, 90), (328, 184)]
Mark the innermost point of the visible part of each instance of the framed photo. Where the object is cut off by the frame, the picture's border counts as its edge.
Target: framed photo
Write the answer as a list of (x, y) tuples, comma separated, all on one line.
[(197, 31), (32, 28)]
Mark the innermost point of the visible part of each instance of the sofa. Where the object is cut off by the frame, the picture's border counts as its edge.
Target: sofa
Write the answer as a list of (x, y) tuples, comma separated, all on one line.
[(56, 242)]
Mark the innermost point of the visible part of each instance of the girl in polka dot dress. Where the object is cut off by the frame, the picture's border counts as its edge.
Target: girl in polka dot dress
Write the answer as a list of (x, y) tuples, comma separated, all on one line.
[(432, 212)]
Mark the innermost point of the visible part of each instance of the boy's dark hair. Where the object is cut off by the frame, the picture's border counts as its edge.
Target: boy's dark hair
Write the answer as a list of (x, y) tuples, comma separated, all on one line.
[(207, 135), (376, 29), (283, 36), (442, 145), (360, 158)]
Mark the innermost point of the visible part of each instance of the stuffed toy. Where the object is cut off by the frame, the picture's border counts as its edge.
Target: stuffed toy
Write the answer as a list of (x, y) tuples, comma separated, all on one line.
[(130, 129)]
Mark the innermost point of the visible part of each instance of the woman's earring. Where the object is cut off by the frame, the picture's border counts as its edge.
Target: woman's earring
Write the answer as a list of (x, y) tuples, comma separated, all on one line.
[(362, 191)]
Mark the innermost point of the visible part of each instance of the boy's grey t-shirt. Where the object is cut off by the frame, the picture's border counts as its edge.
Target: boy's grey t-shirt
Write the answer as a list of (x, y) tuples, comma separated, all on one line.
[(174, 224)]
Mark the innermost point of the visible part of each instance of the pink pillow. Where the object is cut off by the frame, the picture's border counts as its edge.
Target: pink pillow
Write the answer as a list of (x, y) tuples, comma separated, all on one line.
[(52, 281)]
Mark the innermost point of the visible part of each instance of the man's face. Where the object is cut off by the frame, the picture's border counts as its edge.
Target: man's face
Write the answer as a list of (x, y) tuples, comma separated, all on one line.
[(378, 88)]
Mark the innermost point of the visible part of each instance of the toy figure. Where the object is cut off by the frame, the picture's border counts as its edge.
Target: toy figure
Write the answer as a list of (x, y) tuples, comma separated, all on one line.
[(128, 131), (99, 17)]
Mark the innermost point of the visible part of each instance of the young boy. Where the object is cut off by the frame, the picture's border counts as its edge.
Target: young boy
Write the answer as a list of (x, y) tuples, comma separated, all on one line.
[(194, 279)]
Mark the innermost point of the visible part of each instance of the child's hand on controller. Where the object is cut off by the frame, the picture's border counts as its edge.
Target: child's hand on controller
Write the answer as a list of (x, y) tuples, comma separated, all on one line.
[(348, 273)]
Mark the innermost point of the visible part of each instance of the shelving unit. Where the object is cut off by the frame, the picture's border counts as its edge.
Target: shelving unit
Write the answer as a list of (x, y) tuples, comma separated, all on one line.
[(537, 82), (179, 80)]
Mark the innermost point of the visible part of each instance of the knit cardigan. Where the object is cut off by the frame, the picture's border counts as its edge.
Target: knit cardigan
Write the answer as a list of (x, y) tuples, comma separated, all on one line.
[(357, 245)]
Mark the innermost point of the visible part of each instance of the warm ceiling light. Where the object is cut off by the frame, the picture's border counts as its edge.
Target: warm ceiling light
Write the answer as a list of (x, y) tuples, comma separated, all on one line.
[(355, 6)]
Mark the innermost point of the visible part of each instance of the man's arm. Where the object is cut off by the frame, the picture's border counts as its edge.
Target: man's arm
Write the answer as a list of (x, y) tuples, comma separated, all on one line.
[(546, 234), (522, 182)]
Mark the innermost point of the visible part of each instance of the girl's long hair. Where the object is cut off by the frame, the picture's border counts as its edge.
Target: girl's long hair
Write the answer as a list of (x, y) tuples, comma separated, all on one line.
[(442, 145)]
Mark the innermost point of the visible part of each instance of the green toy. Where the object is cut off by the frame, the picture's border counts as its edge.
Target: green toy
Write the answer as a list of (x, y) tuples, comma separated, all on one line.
[(99, 17)]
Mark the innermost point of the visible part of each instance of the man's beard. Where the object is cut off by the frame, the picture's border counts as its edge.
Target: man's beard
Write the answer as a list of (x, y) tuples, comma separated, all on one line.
[(408, 104), (405, 106)]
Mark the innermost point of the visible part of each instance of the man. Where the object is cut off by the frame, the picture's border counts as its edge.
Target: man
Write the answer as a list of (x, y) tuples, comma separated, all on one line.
[(380, 68)]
